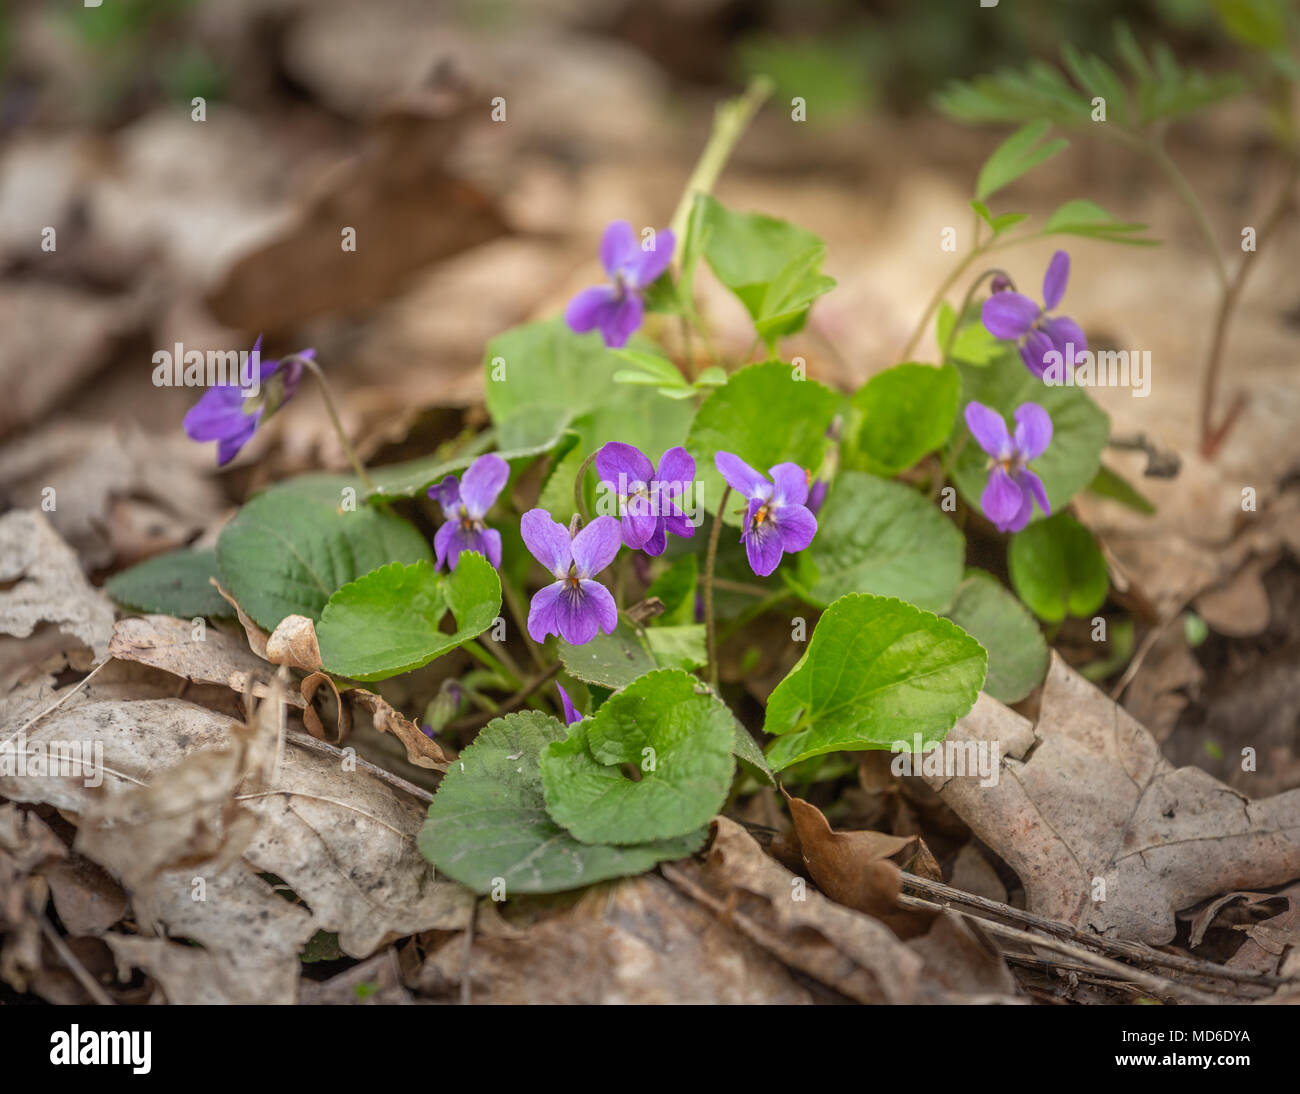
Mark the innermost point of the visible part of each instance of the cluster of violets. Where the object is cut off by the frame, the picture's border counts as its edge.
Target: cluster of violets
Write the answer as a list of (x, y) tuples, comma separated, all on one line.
[(779, 514), (1012, 489), (617, 309), (575, 606)]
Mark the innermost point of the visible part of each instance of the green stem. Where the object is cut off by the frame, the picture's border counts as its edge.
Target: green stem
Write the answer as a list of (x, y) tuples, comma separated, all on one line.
[(484, 656), (741, 587), (970, 295), (332, 410), (710, 560), (940, 293), (1212, 435), (1184, 190), (730, 120), (579, 495), (517, 613)]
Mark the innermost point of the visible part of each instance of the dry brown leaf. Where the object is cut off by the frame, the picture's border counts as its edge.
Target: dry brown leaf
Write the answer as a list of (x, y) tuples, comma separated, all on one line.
[(420, 750), (858, 869), (87, 899), (72, 333), (1239, 607), (121, 494), (41, 581), (1085, 799), (405, 209), (167, 643), (633, 941), (972, 873), (293, 643), (343, 719), (257, 638), (26, 843), (849, 952), (340, 838)]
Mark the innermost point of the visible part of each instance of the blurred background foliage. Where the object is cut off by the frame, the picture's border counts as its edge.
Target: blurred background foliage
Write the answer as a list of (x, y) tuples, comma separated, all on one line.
[(848, 55)]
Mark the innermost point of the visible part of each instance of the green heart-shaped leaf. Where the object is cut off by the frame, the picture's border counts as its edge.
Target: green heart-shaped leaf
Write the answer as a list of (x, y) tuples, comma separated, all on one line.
[(877, 671), (677, 735), (389, 620), (488, 827)]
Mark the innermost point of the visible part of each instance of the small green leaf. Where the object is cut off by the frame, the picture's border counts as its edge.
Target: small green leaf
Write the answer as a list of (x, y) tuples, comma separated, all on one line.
[(881, 537), (998, 621), (1088, 219), (488, 823), (176, 583), (610, 660), (1057, 569), (876, 672), (389, 620), (1258, 23), (677, 735), (772, 266), (287, 552), (765, 415), (545, 377), (680, 647), (1109, 484), (653, 363), (907, 411), (1018, 154)]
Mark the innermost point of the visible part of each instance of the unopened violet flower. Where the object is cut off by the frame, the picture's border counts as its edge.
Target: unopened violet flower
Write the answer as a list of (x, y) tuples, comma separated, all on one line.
[(616, 309), (574, 606), (777, 520), (225, 414), (1008, 499), (1015, 317), (817, 496), (647, 500), (571, 713), (465, 504)]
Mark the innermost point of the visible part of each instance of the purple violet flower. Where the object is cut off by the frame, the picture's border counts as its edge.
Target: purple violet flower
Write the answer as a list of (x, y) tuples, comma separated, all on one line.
[(575, 607), (777, 519), (571, 713), (817, 496), (616, 309), (1008, 499), (1013, 316), (225, 415), (465, 504), (647, 501)]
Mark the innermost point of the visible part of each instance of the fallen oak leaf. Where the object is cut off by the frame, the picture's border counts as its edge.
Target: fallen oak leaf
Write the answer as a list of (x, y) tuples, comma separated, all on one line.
[(1085, 803), (852, 953)]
